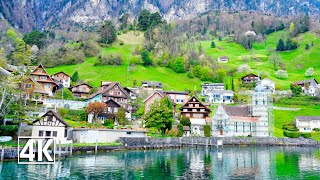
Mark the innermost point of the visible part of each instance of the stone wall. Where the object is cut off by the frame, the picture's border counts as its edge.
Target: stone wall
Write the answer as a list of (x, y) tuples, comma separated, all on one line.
[(201, 141)]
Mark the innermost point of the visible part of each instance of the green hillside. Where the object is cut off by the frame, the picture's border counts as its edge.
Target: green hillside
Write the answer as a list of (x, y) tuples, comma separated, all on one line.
[(296, 62)]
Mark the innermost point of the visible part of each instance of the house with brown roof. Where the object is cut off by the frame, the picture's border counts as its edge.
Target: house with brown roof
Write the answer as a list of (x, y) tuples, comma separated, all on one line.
[(178, 97), (157, 95), (62, 79), (250, 79), (43, 78), (32, 90), (151, 86), (198, 113), (51, 125), (309, 87), (81, 90)]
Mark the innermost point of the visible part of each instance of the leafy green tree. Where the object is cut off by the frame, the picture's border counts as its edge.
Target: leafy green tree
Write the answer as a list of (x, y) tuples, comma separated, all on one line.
[(307, 47), (281, 46), (179, 65), (75, 77), (144, 20), (121, 116), (108, 33), (221, 74), (160, 116), (35, 38), (147, 61), (207, 130), (185, 121), (3, 59), (213, 45), (296, 90), (155, 19), (180, 130)]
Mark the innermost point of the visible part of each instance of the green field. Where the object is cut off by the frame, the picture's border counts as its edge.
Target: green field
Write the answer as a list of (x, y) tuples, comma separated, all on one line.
[(296, 62)]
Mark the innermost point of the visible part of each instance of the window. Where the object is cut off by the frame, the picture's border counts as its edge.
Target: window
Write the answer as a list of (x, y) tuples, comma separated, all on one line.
[(43, 77), (48, 85), (65, 132), (39, 70), (27, 86), (40, 133), (111, 92), (236, 127), (48, 133), (54, 133), (119, 93), (50, 118)]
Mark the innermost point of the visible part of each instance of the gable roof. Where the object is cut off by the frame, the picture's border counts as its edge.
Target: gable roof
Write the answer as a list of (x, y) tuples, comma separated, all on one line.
[(197, 100), (81, 84), (175, 92), (151, 83), (242, 111), (112, 85), (305, 81), (56, 115), (112, 101), (251, 74), (46, 73), (308, 118), (61, 72), (155, 92)]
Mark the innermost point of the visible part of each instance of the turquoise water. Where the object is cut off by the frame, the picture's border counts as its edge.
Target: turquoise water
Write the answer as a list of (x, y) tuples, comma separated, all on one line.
[(187, 163)]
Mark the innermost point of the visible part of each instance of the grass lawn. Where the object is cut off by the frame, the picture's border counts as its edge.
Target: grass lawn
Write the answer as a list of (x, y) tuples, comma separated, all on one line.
[(309, 107)]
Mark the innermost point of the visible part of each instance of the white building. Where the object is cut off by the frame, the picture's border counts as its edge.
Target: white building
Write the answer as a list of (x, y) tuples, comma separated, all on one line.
[(206, 88), (309, 87), (268, 84), (51, 125), (223, 59), (254, 119), (307, 123), (220, 96)]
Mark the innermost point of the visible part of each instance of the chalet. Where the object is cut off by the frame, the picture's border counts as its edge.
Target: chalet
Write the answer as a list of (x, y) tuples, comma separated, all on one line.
[(207, 88), (309, 87), (151, 86), (32, 90), (198, 113), (111, 112), (177, 97), (51, 125), (62, 79), (307, 123), (157, 95), (81, 90), (268, 84), (131, 93), (43, 78), (250, 79), (223, 59), (253, 119)]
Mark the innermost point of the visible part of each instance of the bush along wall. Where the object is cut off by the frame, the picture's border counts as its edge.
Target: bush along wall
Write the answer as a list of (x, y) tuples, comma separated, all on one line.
[(296, 134), (207, 130)]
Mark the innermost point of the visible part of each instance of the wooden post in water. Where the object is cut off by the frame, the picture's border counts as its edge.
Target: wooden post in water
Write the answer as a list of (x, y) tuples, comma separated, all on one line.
[(96, 149), (70, 149), (2, 152), (59, 149)]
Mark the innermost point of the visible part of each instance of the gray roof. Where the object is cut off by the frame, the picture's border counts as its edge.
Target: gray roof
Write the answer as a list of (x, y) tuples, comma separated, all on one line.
[(151, 84), (176, 92), (4, 72), (308, 118), (242, 111), (306, 81)]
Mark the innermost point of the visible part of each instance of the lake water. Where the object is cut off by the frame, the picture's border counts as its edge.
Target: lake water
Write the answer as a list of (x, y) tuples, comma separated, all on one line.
[(187, 163)]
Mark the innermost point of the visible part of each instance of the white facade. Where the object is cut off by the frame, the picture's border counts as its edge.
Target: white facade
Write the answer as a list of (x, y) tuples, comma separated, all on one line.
[(220, 97), (268, 84), (307, 123), (206, 88)]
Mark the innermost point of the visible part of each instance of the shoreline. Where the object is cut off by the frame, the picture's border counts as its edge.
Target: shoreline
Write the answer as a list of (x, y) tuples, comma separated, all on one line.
[(145, 143)]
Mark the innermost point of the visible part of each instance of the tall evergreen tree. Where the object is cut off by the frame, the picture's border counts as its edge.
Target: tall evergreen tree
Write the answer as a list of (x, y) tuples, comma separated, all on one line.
[(281, 46)]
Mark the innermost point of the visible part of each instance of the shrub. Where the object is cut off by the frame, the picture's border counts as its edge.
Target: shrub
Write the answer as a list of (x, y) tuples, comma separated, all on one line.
[(179, 65), (207, 130), (190, 75), (91, 48), (8, 130), (316, 129), (291, 134), (121, 43), (309, 72), (306, 135), (213, 45), (290, 127), (185, 121), (295, 89), (110, 59), (109, 123), (281, 74), (180, 130), (147, 61)]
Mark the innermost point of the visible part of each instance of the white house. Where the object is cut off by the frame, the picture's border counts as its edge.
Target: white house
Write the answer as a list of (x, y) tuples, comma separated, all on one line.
[(309, 87), (307, 123), (206, 88), (220, 96), (253, 119), (51, 125), (223, 59), (62, 78), (268, 84)]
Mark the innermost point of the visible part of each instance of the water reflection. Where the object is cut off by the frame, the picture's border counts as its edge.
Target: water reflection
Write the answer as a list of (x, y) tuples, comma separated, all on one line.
[(188, 163)]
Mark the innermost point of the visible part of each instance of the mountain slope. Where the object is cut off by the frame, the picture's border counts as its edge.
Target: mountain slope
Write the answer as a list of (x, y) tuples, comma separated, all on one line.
[(38, 14)]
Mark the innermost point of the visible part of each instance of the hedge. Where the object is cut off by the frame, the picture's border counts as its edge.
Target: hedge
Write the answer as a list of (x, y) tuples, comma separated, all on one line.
[(8, 130), (306, 135), (207, 130), (291, 134)]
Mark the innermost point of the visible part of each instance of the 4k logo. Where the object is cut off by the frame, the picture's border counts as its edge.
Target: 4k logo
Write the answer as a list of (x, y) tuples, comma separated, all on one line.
[(36, 150)]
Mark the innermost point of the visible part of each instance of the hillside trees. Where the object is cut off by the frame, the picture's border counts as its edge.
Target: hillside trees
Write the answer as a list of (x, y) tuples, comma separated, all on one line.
[(107, 32), (147, 20), (147, 61), (35, 38)]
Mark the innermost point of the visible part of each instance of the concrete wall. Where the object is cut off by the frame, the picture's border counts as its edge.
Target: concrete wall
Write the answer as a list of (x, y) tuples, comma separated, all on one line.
[(103, 135)]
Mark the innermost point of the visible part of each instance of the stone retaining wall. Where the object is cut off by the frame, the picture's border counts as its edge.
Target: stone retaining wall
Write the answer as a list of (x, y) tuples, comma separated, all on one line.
[(201, 141)]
